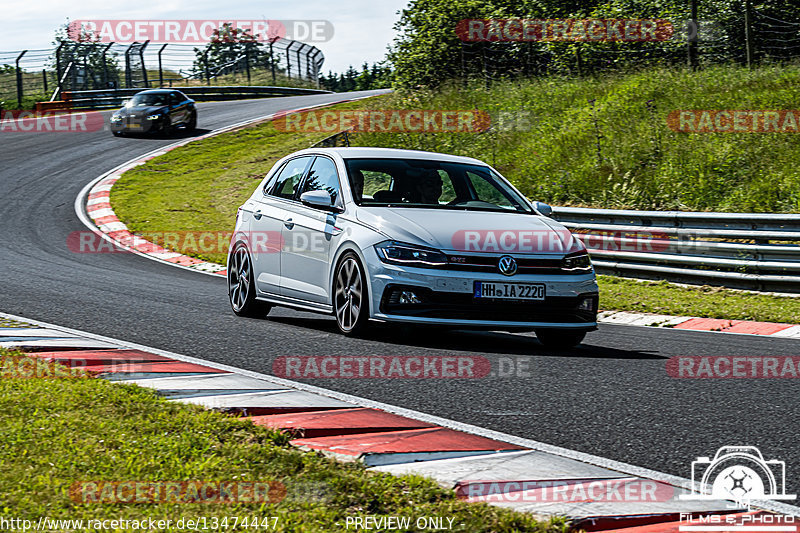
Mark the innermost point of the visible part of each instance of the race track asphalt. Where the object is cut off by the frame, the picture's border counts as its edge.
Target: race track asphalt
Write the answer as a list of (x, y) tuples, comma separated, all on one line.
[(609, 397)]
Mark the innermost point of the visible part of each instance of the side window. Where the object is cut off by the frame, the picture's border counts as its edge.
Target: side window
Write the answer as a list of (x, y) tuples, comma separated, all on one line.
[(289, 178), (174, 99), (323, 177)]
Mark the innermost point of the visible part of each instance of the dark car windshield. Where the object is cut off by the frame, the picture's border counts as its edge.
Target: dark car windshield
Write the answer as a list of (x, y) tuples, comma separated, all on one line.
[(152, 99), (431, 184)]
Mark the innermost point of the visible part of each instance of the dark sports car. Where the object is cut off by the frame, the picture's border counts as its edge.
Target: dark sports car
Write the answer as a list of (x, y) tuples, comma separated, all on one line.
[(155, 110)]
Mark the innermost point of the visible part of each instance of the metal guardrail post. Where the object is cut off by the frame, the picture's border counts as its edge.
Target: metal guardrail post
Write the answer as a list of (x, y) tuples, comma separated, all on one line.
[(316, 65), (58, 65), (19, 78), (205, 67)]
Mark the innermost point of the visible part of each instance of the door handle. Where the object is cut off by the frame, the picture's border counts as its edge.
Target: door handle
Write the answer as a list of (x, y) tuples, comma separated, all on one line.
[(257, 215), (288, 223)]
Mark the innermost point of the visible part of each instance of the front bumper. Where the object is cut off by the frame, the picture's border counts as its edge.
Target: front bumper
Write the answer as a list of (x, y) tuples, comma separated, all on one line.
[(135, 125), (447, 299)]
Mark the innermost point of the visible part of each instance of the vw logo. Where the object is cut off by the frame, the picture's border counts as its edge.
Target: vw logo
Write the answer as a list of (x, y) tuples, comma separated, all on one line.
[(507, 265)]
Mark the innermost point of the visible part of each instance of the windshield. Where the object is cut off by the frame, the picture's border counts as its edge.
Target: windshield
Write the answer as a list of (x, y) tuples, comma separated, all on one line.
[(431, 184), (152, 99)]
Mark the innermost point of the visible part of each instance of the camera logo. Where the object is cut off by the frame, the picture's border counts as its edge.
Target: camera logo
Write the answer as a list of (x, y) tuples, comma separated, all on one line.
[(738, 473)]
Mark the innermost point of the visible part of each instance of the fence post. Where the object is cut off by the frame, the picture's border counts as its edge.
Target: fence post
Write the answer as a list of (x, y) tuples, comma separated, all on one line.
[(316, 65), (105, 66), (289, 61), (299, 61), (44, 80), (19, 79), (58, 65), (205, 67), (128, 77), (160, 69), (272, 59), (693, 38), (247, 61), (144, 67), (748, 33)]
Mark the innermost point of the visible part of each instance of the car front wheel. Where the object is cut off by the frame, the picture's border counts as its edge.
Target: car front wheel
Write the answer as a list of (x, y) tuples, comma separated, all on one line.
[(241, 288), (560, 338), (350, 301)]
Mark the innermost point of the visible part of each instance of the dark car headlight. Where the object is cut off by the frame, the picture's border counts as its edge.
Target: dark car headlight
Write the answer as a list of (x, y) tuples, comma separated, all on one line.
[(578, 262), (399, 253), (155, 117)]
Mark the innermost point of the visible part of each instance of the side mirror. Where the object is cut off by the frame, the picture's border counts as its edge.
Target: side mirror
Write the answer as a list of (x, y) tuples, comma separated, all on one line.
[(321, 199), (543, 208)]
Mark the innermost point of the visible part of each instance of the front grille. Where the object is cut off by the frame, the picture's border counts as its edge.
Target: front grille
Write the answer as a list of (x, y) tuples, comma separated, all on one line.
[(463, 306), (475, 263)]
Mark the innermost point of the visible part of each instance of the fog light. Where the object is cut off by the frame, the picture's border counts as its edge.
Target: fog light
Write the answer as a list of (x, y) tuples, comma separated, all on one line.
[(408, 297), (587, 304)]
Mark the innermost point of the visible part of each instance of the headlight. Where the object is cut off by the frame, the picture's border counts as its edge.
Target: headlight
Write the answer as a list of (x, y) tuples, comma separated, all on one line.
[(409, 255), (116, 118), (154, 117), (577, 262)]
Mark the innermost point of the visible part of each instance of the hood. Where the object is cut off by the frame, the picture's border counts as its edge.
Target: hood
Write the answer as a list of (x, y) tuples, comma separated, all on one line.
[(141, 111), (471, 231)]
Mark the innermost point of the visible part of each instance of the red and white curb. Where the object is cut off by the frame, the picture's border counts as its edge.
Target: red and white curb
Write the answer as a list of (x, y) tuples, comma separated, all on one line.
[(479, 464), (741, 327)]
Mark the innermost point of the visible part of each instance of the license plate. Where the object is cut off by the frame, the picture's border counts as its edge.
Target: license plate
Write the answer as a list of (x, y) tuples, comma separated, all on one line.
[(509, 291), (134, 126)]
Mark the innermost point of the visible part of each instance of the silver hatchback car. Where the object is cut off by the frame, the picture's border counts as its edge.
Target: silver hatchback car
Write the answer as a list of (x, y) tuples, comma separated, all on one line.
[(406, 236)]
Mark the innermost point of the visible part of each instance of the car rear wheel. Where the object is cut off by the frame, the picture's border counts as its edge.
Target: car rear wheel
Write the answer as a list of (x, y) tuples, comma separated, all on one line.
[(350, 301), (560, 338), (241, 288)]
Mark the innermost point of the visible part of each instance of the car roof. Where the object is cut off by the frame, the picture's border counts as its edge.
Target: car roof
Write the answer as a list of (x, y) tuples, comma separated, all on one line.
[(391, 153), (158, 91)]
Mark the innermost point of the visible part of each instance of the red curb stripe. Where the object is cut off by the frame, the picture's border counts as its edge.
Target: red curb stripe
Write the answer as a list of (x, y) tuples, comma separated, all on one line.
[(184, 260), (99, 194), (99, 357), (339, 422), (106, 220), (168, 366), (732, 326), (410, 441), (758, 328), (222, 272)]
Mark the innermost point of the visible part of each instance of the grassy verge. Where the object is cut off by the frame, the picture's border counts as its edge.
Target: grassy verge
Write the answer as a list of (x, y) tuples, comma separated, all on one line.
[(60, 431), (709, 302)]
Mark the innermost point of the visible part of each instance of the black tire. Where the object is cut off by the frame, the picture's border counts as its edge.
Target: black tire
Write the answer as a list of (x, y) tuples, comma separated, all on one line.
[(191, 124), (166, 126), (350, 295), (116, 133), (241, 287), (560, 338)]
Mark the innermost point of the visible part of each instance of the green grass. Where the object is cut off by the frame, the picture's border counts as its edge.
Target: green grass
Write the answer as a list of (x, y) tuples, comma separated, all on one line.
[(709, 302), (640, 163), (60, 431)]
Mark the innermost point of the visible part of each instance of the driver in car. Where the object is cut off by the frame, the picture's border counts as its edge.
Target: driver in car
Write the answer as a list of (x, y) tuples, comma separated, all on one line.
[(429, 187)]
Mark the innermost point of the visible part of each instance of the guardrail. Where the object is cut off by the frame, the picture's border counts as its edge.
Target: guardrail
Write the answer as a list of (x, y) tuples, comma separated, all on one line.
[(104, 99), (756, 251)]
